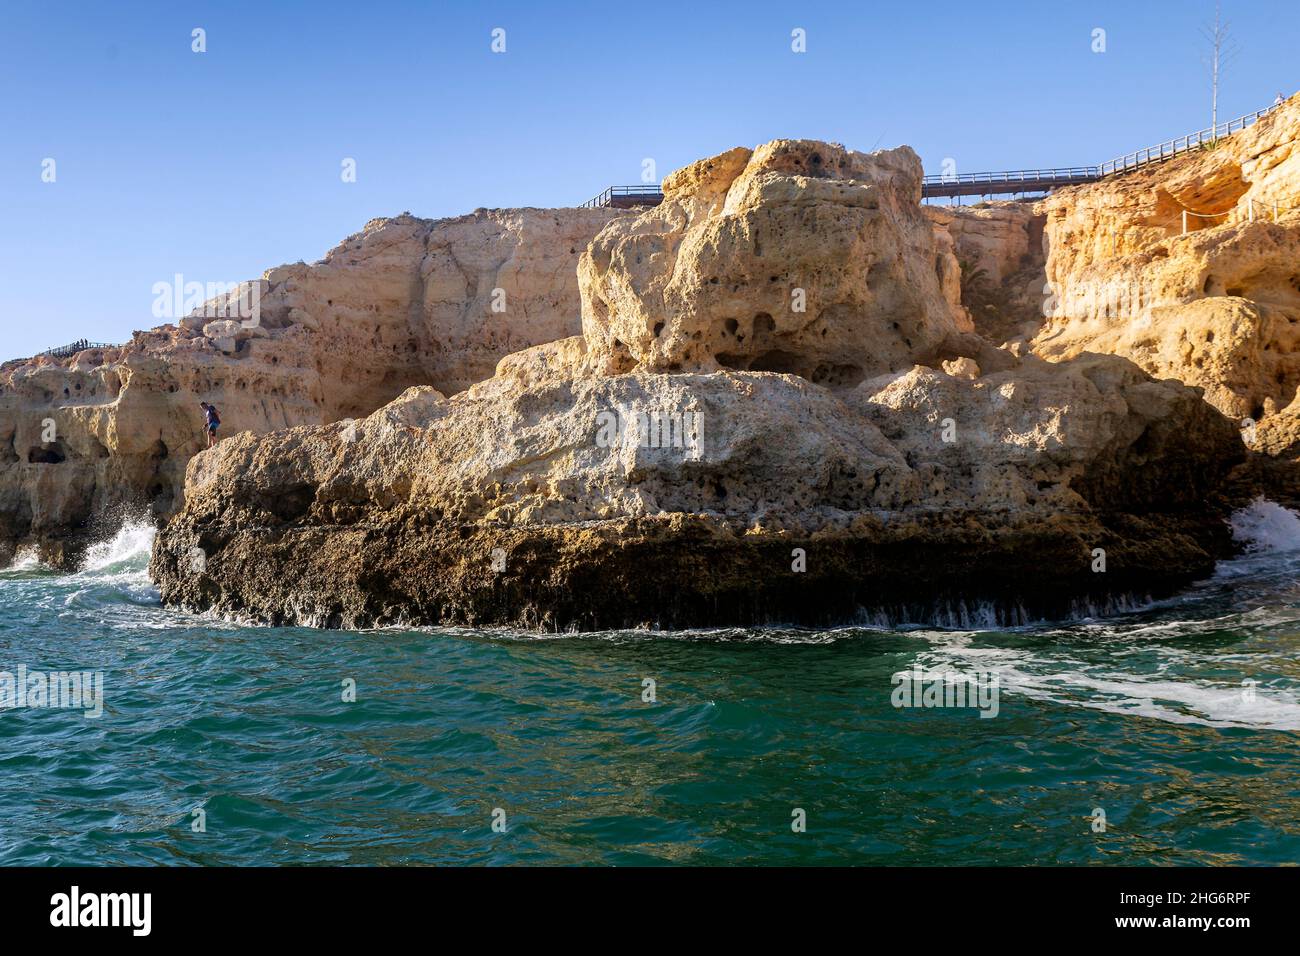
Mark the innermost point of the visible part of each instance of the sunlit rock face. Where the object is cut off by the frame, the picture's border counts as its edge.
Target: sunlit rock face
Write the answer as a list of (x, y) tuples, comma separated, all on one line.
[(706, 453), (1217, 305), (103, 435), (799, 257), (1000, 282)]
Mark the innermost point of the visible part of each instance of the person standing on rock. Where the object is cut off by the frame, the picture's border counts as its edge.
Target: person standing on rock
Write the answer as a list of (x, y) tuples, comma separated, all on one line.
[(212, 421)]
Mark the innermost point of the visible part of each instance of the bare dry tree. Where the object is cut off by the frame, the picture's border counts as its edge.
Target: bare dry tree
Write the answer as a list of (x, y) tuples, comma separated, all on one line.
[(1223, 50)]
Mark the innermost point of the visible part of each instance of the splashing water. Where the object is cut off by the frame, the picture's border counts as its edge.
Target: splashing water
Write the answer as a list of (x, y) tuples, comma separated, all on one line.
[(1264, 525), (128, 549), (1167, 661), (25, 560)]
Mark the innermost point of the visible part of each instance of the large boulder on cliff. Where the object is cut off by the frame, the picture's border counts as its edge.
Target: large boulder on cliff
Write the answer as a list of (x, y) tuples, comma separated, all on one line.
[(800, 257), (660, 469)]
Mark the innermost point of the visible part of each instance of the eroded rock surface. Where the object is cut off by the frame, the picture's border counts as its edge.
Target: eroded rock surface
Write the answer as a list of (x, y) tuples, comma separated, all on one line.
[(707, 453), (90, 439), (1000, 251), (800, 257), (1217, 306)]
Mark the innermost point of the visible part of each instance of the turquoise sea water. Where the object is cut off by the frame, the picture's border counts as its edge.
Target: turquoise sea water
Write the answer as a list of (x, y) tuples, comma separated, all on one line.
[(1141, 715)]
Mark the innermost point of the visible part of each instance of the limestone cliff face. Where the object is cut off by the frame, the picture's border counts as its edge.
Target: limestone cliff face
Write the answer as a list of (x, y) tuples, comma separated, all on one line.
[(405, 302), (1217, 307), (707, 453), (1000, 251), (999, 238)]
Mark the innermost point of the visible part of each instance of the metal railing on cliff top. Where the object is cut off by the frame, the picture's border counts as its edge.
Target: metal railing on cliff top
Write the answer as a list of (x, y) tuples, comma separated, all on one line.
[(64, 351), (1038, 180), (1008, 181)]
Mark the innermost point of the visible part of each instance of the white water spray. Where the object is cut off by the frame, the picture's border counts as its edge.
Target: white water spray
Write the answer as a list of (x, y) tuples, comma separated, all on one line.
[(129, 547), (1265, 526), (25, 560)]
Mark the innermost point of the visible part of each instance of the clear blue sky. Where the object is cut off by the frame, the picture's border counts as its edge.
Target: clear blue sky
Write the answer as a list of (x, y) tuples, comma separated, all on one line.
[(221, 164)]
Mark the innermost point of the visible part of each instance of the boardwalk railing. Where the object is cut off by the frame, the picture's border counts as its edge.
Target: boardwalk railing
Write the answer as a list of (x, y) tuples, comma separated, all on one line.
[(64, 351), (624, 196), (1042, 180), (1018, 181), (1173, 147), (1011, 181)]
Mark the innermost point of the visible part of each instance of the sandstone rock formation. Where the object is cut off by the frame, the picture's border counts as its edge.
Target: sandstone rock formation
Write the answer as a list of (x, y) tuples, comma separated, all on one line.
[(1216, 307), (88, 439), (801, 257), (710, 452), (1000, 250)]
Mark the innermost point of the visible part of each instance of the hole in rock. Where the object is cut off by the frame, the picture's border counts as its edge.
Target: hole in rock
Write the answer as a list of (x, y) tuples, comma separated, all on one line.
[(836, 376), (292, 503), (776, 361), (47, 454)]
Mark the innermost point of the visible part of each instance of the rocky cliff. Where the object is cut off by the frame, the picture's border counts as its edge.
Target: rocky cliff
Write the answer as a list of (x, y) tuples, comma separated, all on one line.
[(88, 439), (1000, 250), (1191, 269), (778, 409)]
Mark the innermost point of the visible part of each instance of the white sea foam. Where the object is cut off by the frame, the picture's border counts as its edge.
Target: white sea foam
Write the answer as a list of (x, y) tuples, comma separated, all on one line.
[(1264, 526), (119, 563), (1171, 701), (25, 560), (1058, 674), (130, 546)]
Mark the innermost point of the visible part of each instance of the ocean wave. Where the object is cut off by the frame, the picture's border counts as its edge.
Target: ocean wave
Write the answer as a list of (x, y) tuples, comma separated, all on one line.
[(1266, 526), (128, 548)]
